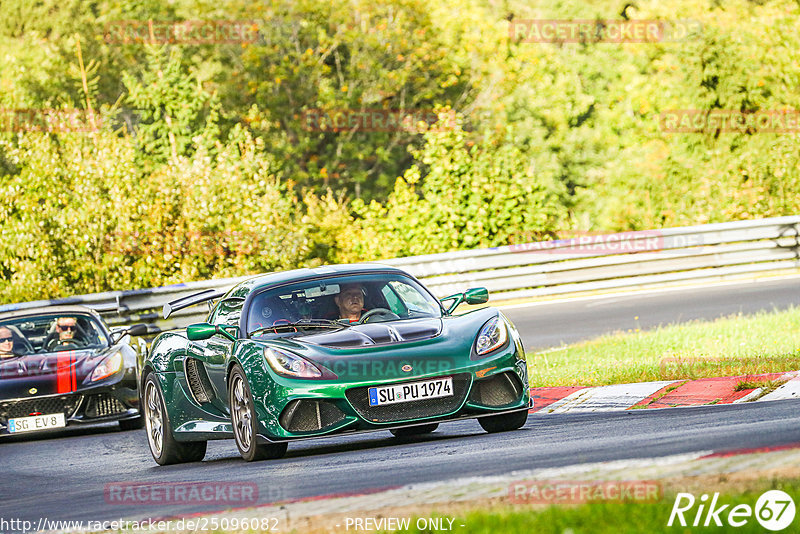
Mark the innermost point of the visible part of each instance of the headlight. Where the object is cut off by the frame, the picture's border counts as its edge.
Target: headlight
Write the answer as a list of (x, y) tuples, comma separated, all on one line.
[(107, 367), (287, 364), (493, 335)]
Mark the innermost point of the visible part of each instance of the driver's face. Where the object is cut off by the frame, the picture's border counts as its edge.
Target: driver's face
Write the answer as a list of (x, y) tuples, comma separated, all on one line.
[(66, 327), (351, 301)]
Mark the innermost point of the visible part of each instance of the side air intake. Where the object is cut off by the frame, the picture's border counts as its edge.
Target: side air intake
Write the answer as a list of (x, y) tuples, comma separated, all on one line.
[(199, 383)]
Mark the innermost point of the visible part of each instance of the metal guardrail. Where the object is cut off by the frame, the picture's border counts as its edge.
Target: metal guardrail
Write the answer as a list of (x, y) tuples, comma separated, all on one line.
[(584, 263), (694, 253)]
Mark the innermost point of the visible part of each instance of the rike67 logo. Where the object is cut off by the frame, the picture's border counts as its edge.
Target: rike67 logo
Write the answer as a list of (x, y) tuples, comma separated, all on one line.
[(774, 510)]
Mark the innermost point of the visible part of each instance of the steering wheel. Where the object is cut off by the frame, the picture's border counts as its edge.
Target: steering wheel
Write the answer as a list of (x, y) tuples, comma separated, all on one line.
[(377, 311), (66, 344)]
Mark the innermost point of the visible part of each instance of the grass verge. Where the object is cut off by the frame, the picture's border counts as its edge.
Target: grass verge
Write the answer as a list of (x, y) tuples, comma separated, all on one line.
[(607, 517), (731, 346)]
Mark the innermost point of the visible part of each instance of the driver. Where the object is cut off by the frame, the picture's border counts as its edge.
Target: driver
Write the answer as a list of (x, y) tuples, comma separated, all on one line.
[(6, 343), (350, 302), (66, 328)]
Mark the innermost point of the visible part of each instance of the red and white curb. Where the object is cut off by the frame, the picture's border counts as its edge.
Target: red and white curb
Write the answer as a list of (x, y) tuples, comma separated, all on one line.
[(789, 390), (606, 398), (662, 394)]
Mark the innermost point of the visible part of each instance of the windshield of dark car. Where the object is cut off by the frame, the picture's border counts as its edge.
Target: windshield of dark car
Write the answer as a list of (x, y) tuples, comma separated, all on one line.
[(39, 334), (389, 297)]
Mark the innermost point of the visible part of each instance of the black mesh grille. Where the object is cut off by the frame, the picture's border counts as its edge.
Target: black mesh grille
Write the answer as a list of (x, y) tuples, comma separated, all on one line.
[(305, 415), (497, 391), (45, 405), (103, 404), (359, 398), (198, 380)]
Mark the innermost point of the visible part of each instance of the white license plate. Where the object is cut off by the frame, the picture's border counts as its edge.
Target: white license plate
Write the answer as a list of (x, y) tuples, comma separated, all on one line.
[(36, 422), (424, 389)]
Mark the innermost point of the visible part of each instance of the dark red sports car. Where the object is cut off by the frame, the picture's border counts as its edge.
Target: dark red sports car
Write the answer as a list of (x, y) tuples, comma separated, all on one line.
[(61, 365)]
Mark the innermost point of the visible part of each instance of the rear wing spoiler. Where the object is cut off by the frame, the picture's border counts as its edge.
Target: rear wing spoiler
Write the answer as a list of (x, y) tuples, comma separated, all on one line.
[(184, 302)]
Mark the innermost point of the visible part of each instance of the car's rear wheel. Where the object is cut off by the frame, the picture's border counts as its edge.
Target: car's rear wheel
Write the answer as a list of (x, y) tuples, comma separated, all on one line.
[(414, 430), (504, 422), (132, 424), (162, 443), (245, 422)]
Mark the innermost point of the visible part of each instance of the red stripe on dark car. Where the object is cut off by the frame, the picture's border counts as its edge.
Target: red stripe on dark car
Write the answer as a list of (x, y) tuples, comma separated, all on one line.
[(65, 373)]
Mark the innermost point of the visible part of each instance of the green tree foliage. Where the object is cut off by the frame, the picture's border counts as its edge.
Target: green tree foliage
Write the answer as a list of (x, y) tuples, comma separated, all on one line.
[(85, 217), (205, 164), (168, 106), (458, 196), (323, 57)]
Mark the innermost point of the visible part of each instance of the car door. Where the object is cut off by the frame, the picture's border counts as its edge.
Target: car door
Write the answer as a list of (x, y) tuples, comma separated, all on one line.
[(206, 373)]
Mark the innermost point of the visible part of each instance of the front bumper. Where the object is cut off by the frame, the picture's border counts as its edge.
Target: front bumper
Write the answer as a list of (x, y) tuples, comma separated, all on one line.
[(485, 387), (95, 405), (262, 439)]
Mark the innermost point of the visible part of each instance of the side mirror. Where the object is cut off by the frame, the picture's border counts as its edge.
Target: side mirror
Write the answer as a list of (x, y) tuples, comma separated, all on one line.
[(138, 330), (476, 295), (201, 331), (135, 330)]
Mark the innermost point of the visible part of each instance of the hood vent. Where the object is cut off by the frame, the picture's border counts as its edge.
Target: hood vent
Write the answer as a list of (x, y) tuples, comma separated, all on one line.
[(369, 334)]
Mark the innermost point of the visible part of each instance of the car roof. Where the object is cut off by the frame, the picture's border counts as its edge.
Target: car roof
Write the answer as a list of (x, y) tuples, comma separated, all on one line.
[(48, 310), (244, 288)]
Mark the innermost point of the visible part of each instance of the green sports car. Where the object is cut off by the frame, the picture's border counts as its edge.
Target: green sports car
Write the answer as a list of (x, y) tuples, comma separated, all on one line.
[(328, 351)]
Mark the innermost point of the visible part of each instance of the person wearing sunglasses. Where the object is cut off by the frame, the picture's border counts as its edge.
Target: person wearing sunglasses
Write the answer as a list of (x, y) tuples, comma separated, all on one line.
[(66, 328), (6, 343), (65, 335)]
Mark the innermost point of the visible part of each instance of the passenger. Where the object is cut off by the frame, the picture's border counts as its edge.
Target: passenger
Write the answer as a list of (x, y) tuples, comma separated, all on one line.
[(6, 343)]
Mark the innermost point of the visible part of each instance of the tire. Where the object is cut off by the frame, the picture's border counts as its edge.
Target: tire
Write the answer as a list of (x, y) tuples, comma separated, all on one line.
[(504, 422), (245, 421), (131, 424), (163, 447), (414, 430)]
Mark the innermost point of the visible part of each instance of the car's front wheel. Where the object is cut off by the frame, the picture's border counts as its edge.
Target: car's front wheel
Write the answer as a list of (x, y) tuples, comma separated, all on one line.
[(414, 430), (245, 422), (504, 422), (162, 443)]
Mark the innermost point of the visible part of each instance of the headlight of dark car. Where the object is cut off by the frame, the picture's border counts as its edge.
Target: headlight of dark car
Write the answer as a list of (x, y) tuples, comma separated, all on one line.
[(492, 336), (107, 367), (292, 365)]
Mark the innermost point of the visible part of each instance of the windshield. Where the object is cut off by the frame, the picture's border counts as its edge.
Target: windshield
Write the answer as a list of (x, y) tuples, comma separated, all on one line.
[(347, 300), (39, 334)]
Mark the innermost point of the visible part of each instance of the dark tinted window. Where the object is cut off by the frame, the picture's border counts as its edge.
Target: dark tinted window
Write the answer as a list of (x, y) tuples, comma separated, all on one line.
[(53, 333), (310, 300)]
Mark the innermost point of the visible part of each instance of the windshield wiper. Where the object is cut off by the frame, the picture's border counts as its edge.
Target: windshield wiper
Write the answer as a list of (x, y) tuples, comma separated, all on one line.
[(302, 323)]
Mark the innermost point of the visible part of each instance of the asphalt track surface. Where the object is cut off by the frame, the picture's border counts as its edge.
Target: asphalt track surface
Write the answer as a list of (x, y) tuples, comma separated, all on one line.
[(62, 476), (550, 325)]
